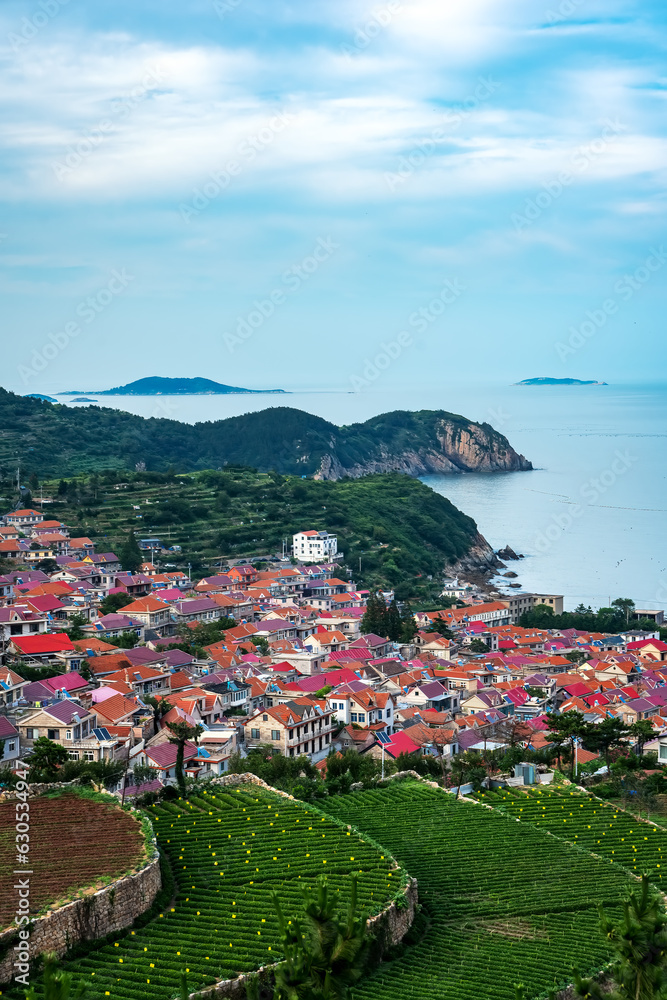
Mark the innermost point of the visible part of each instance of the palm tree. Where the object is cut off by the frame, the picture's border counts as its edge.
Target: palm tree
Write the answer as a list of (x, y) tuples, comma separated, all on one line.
[(160, 707), (182, 732)]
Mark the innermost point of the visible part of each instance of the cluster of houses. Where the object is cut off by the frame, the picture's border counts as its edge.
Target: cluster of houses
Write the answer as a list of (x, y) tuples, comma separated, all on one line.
[(295, 671)]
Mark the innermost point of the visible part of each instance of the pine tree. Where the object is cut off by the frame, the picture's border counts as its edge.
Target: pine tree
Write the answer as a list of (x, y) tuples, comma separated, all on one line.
[(58, 985), (640, 943), (326, 953), (375, 616), (409, 625), (394, 625), (130, 554)]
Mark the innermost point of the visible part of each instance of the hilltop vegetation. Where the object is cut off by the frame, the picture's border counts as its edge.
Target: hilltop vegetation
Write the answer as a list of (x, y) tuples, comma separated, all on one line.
[(402, 530), (56, 440)]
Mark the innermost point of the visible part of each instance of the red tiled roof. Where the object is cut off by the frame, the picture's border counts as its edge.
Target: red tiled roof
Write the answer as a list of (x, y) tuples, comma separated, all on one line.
[(59, 642)]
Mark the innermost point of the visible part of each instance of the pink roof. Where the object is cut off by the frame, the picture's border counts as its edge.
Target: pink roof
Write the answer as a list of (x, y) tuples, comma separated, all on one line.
[(164, 754), (400, 743), (71, 681)]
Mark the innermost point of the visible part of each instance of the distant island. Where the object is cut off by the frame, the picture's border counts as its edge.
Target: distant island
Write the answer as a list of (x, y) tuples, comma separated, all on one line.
[(559, 381), (157, 386), (83, 399)]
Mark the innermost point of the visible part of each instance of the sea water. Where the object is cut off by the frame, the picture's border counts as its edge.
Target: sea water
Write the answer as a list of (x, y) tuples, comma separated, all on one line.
[(589, 519)]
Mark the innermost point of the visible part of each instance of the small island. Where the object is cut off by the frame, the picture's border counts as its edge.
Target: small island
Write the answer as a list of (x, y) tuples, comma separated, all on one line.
[(83, 399), (158, 386), (559, 381)]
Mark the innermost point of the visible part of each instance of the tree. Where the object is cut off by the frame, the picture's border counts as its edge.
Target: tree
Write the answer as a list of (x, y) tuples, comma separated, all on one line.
[(374, 619), (142, 774), (47, 565), (565, 730), (181, 732), (261, 644), (325, 953), (114, 602), (478, 646), (441, 627), (127, 640), (58, 985), (86, 672), (610, 734), (642, 731), (62, 488), (46, 759), (393, 623), (639, 940), (160, 708), (625, 605), (409, 625), (75, 630), (130, 554)]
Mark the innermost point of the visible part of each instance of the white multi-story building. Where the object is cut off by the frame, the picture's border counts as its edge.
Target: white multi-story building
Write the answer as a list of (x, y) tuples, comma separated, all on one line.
[(314, 546)]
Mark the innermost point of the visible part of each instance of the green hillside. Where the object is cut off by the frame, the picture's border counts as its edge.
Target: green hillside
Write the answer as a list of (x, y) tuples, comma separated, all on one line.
[(401, 529), (57, 440)]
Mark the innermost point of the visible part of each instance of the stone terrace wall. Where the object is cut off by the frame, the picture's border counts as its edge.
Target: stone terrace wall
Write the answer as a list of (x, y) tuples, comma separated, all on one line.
[(111, 909)]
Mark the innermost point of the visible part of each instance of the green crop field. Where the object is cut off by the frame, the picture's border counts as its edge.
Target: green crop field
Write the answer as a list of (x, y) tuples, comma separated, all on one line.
[(590, 824), (505, 902), (228, 850)]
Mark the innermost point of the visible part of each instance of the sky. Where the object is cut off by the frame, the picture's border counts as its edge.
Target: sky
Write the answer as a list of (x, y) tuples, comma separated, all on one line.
[(306, 194)]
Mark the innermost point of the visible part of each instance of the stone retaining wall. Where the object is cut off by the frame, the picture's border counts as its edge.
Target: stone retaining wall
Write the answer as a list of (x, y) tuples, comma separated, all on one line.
[(90, 917)]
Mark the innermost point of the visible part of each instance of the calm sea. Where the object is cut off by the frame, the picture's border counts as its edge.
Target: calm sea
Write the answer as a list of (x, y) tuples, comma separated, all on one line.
[(590, 519)]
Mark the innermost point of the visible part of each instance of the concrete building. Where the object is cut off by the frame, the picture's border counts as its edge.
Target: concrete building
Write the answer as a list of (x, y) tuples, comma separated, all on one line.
[(314, 546), (518, 603)]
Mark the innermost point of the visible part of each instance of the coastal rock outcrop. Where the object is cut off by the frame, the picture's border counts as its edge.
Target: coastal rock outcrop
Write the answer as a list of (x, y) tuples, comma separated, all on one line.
[(440, 445)]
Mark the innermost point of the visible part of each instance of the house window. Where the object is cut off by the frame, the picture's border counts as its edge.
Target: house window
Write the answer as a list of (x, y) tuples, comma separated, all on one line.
[(53, 734), (341, 706), (362, 717), (353, 716), (73, 754), (663, 751), (254, 734), (11, 746), (30, 734), (275, 734), (68, 734), (89, 755), (265, 718)]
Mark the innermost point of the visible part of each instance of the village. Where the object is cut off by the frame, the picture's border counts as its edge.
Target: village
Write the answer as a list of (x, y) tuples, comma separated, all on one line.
[(292, 667)]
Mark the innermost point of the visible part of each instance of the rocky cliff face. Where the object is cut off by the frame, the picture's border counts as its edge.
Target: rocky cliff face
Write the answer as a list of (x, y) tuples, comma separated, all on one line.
[(452, 448)]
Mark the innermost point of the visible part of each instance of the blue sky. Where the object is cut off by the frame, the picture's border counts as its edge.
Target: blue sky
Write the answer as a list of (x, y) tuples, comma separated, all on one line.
[(273, 193)]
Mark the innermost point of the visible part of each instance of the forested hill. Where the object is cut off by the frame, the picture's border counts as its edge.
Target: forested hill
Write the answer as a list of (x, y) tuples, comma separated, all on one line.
[(53, 439)]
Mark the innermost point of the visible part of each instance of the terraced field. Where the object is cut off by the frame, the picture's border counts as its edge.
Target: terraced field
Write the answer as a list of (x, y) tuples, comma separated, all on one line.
[(505, 902), (45, 823), (590, 824), (229, 849)]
